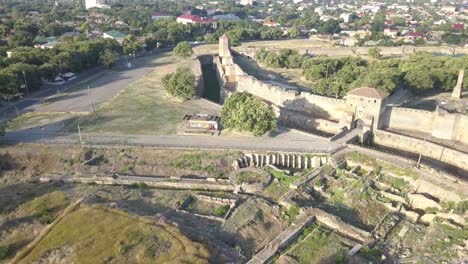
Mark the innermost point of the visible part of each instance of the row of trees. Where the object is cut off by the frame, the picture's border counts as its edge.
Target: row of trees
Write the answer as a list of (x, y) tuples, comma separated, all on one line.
[(21, 73), (336, 76)]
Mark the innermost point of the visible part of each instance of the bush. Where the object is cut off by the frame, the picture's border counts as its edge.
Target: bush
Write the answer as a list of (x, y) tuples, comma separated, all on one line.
[(431, 210), (371, 253), (244, 112), (183, 49), (293, 212), (43, 214), (181, 83), (221, 210), (4, 250)]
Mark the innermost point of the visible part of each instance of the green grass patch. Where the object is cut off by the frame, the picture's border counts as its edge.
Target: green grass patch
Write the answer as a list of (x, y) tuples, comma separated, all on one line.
[(275, 190), (221, 210), (395, 182), (44, 208), (366, 160), (101, 235), (317, 244), (199, 162), (281, 176), (249, 177)]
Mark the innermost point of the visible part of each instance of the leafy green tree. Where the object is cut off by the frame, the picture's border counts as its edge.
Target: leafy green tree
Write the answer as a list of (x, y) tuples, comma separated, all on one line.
[(244, 112), (374, 53), (108, 58), (183, 49), (131, 45), (181, 83), (294, 32), (21, 38)]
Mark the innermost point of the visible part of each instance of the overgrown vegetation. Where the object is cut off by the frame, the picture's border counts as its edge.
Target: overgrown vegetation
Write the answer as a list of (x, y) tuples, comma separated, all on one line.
[(244, 112), (282, 177), (181, 83), (198, 162), (336, 76), (221, 210), (249, 177), (384, 166)]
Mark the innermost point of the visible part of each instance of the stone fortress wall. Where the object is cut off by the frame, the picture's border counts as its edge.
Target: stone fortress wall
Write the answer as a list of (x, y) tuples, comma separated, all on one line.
[(308, 111)]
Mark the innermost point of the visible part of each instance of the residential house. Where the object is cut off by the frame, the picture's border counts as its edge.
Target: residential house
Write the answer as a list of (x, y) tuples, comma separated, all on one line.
[(158, 16), (271, 24), (459, 26), (186, 19), (116, 35), (392, 33), (230, 17)]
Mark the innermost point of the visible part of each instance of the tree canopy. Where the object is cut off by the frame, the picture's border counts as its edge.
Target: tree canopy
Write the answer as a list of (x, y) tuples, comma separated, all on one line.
[(336, 76), (244, 112), (180, 83), (183, 49)]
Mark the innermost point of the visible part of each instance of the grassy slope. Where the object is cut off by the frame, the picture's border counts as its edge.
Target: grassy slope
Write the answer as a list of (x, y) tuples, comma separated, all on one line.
[(99, 234)]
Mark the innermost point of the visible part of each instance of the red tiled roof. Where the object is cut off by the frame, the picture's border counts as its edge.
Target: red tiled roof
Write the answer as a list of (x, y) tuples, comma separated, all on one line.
[(368, 92), (196, 19)]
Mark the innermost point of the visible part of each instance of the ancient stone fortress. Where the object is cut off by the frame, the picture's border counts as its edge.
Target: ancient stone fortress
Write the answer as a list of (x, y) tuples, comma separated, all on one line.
[(365, 107)]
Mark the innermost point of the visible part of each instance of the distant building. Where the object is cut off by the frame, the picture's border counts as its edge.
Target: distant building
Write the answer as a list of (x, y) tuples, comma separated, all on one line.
[(246, 2), (97, 18), (459, 26), (194, 19), (349, 42), (271, 24), (114, 34), (347, 17), (96, 4), (231, 17), (158, 16), (415, 35), (392, 33), (201, 124)]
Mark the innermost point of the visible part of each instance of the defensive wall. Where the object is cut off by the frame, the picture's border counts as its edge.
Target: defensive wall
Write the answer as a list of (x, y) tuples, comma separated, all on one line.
[(307, 111), (440, 123), (426, 148)]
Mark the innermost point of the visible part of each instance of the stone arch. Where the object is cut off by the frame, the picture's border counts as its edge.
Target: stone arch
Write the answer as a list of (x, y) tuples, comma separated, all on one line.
[(358, 123)]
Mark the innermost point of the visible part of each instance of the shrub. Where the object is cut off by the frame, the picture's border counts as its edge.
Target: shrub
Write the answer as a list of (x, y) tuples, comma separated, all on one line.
[(4, 250), (431, 210), (244, 112), (221, 210), (181, 83), (372, 253), (293, 212), (183, 49), (43, 214)]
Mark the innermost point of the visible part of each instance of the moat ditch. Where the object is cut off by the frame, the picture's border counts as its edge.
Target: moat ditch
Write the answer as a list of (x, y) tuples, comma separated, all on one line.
[(212, 89)]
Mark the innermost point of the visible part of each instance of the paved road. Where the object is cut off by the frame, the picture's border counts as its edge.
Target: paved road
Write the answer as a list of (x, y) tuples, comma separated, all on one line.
[(101, 90), (290, 141), (77, 101)]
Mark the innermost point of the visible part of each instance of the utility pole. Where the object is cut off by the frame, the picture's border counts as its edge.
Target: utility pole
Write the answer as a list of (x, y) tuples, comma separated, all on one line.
[(420, 155), (26, 83), (90, 100), (81, 139)]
